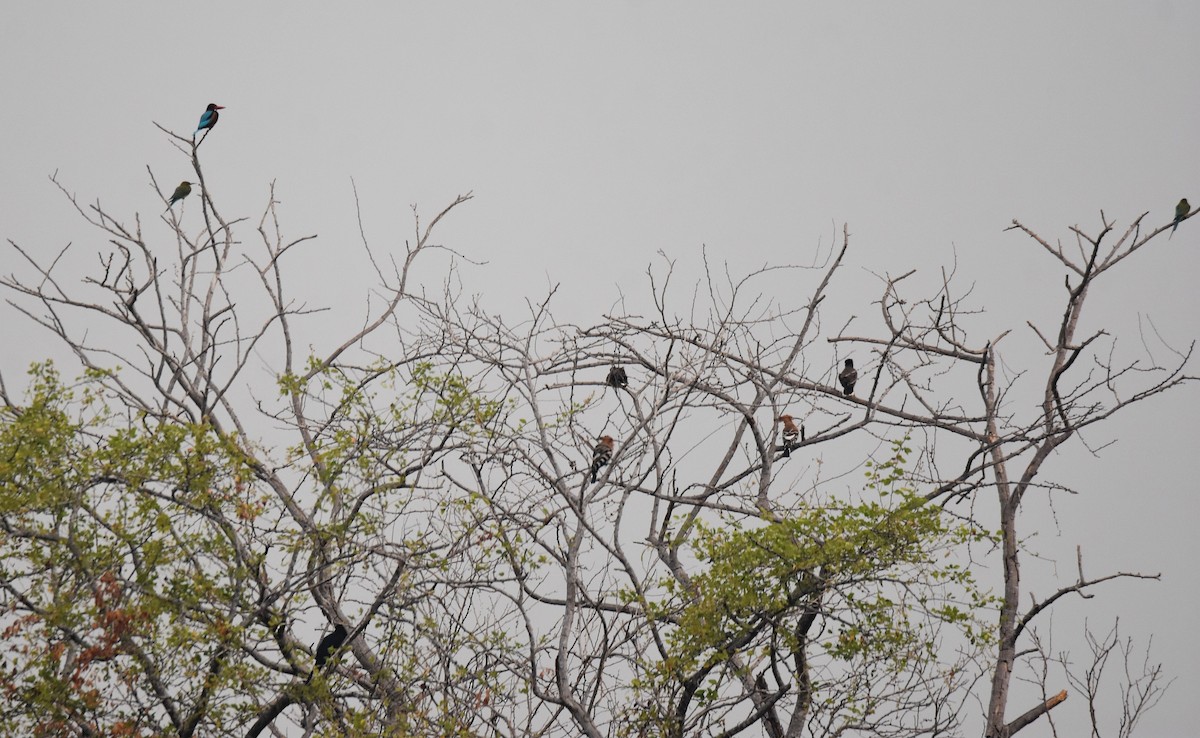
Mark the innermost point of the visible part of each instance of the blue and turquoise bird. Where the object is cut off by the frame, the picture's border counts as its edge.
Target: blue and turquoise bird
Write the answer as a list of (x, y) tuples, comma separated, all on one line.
[(209, 119), (1181, 211)]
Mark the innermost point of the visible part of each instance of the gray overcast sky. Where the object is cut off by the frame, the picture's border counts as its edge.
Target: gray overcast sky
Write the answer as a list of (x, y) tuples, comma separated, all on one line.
[(595, 135)]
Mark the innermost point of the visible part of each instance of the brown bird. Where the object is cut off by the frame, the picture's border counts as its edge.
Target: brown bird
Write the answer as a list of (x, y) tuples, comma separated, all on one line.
[(617, 378), (601, 455), (791, 434), (848, 378)]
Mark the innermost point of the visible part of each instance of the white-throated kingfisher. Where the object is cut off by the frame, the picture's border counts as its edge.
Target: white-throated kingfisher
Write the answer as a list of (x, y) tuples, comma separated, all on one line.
[(209, 118)]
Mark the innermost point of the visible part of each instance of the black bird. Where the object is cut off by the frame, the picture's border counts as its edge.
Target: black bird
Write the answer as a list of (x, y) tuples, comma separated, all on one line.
[(848, 377), (617, 378), (326, 647)]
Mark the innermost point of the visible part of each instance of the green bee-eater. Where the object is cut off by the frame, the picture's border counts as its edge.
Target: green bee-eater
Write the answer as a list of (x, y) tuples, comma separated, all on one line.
[(1181, 211), (183, 190)]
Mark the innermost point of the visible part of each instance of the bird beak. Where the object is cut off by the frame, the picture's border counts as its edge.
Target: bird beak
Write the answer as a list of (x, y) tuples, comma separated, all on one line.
[(220, 107)]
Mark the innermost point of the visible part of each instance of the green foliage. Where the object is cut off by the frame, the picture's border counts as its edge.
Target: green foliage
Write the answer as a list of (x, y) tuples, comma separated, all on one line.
[(136, 546), (871, 574), (116, 540), (127, 540)]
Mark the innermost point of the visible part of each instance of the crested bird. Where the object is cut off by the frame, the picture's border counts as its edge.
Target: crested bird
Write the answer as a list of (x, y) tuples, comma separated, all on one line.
[(848, 377), (791, 434), (617, 378), (209, 118), (183, 190), (330, 643), (601, 455), (1181, 211)]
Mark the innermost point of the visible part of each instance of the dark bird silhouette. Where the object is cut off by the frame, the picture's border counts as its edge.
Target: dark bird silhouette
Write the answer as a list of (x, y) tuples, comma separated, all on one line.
[(209, 118), (848, 378), (601, 455), (1181, 211), (330, 643), (791, 434), (617, 378), (183, 190)]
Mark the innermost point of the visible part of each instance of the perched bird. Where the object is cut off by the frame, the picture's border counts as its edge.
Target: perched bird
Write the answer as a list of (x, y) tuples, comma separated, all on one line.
[(791, 434), (848, 377), (601, 455), (330, 643), (1181, 211), (183, 190), (209, 118), (617, 378)]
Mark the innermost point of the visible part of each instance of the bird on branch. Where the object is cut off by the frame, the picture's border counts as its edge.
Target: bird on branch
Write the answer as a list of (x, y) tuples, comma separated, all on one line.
[(326, 648), (183, 190), (209, 118), (848, 378), (617, 378), (601, 455), (1181, 211), (791, 434)]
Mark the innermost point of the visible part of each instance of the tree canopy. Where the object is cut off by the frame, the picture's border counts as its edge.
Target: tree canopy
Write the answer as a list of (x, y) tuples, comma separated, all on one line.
[(179, 533)]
